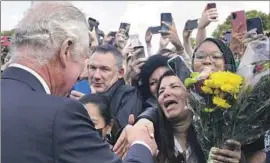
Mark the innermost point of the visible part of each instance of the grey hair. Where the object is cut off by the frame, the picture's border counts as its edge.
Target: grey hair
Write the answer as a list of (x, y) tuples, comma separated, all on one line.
[(107, 48), (45, 27)]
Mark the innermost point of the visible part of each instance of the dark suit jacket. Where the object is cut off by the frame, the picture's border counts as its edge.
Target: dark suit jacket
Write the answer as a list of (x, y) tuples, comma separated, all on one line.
[(41, 128)]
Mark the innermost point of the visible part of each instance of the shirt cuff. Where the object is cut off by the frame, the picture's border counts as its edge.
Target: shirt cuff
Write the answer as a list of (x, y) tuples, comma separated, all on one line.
[(142, 143)]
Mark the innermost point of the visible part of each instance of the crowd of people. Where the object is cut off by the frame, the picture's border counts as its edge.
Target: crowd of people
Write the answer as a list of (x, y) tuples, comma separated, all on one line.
[(73, 94)]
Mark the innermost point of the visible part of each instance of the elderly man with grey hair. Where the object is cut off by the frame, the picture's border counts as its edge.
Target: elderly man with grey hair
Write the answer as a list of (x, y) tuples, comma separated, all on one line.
[(40, 126)]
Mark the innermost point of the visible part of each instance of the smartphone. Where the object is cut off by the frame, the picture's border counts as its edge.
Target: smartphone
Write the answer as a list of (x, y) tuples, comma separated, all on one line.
[(140, 53), (135, 41), (228, 37), (92, 23), (155, 30), (211, 5), (125, 27), (191, 24), (239, 22), (239, 25), (182, 71), (255, 23), (179, 67), (165, 17)]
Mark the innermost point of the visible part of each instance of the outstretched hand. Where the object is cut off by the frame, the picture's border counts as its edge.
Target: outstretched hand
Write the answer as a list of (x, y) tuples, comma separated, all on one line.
[(231, 153), (122, 144)]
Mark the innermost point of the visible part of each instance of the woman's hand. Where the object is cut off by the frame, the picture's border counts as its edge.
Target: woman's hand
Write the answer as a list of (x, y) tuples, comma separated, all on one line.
[(172, 35), (207, 17), (148, 36), (231, 153), (93, 37)]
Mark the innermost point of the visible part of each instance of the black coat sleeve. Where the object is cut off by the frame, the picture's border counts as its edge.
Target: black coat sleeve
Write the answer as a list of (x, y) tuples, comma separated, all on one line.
[(150, 113), (75, 140), (130, 103)]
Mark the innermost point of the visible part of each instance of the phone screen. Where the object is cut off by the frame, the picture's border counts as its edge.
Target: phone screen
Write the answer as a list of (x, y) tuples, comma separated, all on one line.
[(211, 5), (166, 17), (179, 67), (228, 37), (191, 24), (125, 26), (154, 30), (255, 23), (92, 23)]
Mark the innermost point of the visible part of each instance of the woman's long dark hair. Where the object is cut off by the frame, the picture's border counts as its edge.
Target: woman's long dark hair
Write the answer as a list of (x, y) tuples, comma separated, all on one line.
[(165, 138)]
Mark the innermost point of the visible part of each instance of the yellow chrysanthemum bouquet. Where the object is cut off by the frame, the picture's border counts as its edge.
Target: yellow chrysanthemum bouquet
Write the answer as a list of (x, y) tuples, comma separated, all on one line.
[(230, 110)]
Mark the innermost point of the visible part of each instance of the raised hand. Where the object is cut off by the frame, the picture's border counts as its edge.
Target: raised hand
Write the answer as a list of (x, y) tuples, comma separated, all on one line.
[(207, 17), (148, 36)]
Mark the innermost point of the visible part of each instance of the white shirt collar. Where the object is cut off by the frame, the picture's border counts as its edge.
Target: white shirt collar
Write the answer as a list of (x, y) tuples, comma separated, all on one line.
[(178, 148), (41, 80)]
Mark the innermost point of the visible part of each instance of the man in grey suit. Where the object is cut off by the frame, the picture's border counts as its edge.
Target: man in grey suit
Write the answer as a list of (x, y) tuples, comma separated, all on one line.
[(38, 125)]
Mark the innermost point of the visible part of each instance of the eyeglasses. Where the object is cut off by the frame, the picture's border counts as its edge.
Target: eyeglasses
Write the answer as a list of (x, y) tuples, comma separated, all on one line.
[(213, 56)]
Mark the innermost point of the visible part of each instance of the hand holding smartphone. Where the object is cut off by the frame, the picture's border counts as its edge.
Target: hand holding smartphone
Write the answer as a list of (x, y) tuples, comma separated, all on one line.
[(124, 27), (165, 17), (179, 67), (211, 6), (255, 23), (155, 30), (191, 24)]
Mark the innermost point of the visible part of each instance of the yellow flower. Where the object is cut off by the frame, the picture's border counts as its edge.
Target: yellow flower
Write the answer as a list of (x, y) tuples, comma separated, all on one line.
[(207, 90), (227, 88), (221, 102), (226, 81), (208, 110)]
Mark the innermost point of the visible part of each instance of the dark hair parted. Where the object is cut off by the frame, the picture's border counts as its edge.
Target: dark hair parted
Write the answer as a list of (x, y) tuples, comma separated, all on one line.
[(107, 48), (101, 102), (165, 138), (227, 53)]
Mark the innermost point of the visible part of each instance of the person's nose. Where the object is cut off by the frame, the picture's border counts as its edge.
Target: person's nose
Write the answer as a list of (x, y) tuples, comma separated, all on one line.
[(166, 93), (207, 60), (97, 75)]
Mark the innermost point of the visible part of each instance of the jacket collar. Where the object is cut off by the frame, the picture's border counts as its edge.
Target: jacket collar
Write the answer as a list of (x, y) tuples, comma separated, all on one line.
[(114, 87), (23, 76)]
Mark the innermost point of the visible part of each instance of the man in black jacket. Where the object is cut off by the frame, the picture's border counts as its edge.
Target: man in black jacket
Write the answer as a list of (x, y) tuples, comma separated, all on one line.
[(106, 77)]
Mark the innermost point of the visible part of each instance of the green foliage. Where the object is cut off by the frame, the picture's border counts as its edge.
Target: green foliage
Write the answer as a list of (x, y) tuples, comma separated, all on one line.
[(7, 32), (249, 14)]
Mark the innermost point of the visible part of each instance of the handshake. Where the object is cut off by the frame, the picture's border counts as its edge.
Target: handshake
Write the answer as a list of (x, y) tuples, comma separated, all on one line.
[(140, 133)]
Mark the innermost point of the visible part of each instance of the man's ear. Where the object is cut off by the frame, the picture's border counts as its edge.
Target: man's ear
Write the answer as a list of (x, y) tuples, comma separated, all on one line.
[(65, 54), (121, 73)]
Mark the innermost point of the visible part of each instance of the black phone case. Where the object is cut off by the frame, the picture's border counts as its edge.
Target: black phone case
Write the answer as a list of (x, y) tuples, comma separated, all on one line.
[(255, 23), (165, 17), (154, 30), (191, 24)]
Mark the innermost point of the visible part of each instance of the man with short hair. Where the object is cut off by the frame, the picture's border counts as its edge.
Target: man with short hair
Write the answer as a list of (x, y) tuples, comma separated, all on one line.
[(106, 74), (38, 125)]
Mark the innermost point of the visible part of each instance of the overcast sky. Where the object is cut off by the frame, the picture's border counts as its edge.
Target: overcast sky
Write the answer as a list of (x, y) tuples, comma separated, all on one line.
[(140, 14)]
